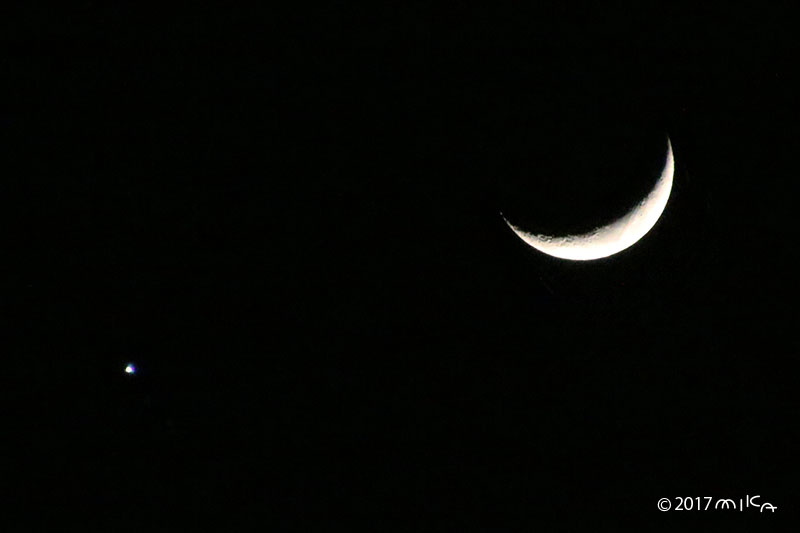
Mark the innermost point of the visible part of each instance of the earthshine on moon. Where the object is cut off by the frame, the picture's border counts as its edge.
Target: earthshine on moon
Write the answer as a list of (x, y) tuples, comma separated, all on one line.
[(614, 237)]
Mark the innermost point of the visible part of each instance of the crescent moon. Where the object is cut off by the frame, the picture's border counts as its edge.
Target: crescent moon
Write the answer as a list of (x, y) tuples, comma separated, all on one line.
[(614, 237)]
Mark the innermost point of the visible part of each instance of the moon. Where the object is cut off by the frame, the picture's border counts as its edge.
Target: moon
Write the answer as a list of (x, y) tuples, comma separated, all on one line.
[(614, 237)]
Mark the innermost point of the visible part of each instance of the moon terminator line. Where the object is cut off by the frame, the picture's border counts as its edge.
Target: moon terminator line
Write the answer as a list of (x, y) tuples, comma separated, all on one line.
[(614, 237)]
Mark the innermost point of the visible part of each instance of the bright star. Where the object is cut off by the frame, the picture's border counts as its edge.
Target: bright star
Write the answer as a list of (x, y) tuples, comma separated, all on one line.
[(130, 369)]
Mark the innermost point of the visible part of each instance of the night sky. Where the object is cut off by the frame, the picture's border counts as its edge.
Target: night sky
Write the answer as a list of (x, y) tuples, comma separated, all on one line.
[(289, 222)]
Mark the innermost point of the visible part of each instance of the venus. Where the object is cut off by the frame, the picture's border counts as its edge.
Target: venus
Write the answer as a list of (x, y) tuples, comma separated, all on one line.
[(614, 237)]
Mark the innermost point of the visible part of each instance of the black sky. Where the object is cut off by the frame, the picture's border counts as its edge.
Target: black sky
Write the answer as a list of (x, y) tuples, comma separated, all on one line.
[(290, 220)]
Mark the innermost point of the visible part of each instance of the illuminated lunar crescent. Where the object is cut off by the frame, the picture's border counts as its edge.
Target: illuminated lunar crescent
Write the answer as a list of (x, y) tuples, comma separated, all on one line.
[(614, 237)]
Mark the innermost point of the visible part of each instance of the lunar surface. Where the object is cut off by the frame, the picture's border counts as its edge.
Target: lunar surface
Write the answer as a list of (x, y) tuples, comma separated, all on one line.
[(614, 237)]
